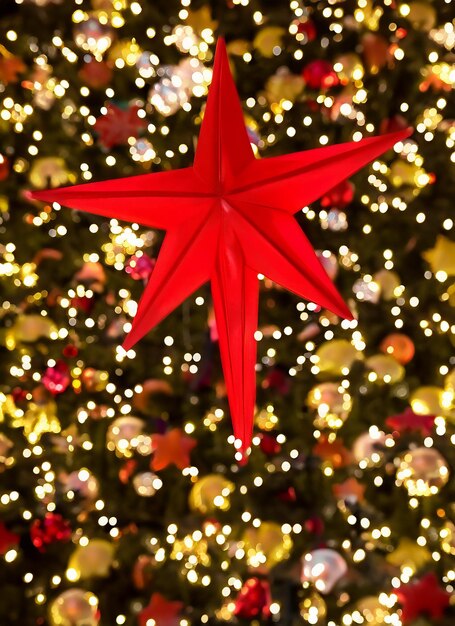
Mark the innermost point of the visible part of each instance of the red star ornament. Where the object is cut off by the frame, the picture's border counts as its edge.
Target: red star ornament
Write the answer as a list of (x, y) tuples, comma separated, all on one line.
[(162, 611), (422, 597), (408, 421), (173, 447), (228, 218)]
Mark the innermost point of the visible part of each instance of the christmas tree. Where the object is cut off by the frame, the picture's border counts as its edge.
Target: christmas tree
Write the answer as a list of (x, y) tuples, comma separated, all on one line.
[(122, 498)]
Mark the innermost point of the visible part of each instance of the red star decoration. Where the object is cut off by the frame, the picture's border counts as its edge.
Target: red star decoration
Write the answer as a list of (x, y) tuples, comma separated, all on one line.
[(173, 447), (350, 489), (160, 609), (228, 218), (118, 125), (423, 596), (8, 539), (408, 420)]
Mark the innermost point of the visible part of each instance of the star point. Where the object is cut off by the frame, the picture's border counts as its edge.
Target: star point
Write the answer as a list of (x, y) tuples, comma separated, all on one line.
[(228, 218)]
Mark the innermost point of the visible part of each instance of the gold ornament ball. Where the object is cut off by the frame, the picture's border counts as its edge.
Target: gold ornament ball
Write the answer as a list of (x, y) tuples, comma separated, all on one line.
[(422, 15), (349, 67), (373, 612), (266, 546), (74, 607), (211, 493), (313, 608), (268, 39), (283, 85), (384, 369), (48, 172), (423, 471), (336, 357), (449, 381), (127, 50), (431, 400), (389, 283), (332, 403), (94, 380), (123, 433), (29, 328), (93, 559)]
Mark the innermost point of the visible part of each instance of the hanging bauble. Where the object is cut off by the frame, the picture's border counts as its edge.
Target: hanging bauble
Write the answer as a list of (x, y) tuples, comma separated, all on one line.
[(94, 35), (57, 378), (313, 608), (430, 400), (336, 357), (366, 290), (368, 449), (146, 484), (253, 600), (123, 435), (211, 493), (75, 607), (324, 568), (4, 167), (268, 40), (384, 369), (304, 29), (373, 611), (400, 346), (48, 172), (422, 15), (168, 95), (91, 559), (332, 404), (266, 545), (389, 284), (320, 75), (423, 471)]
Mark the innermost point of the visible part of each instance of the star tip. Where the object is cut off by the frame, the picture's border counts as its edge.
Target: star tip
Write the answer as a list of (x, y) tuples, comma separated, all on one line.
[(242, 454), (127, 344)]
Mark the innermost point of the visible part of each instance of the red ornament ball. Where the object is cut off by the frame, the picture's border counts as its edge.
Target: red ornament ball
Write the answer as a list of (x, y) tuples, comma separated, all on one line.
[(4, 167), (140, 267), (339, 196), (320, 74), (53, 528), (269, 445), (253, 600), (314, 525), (399, 346), (304, 29), (70, 351), (57, 378)]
